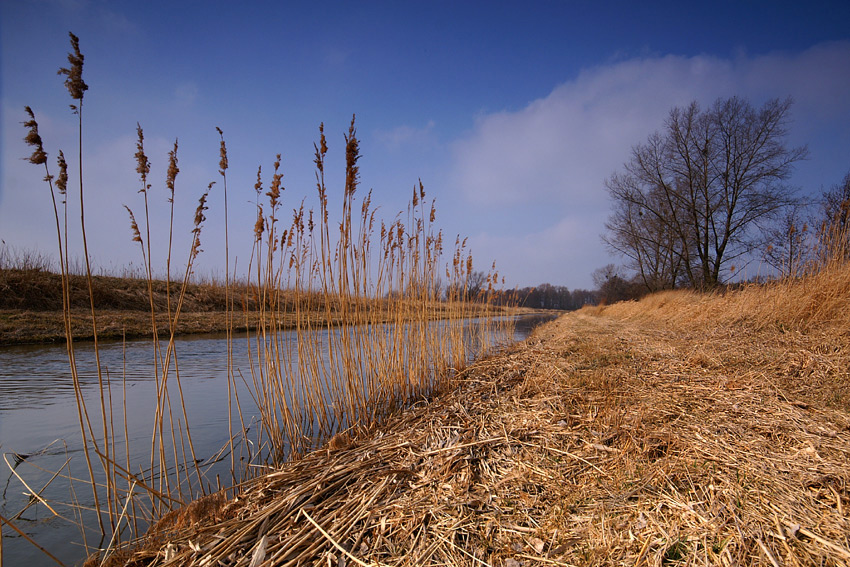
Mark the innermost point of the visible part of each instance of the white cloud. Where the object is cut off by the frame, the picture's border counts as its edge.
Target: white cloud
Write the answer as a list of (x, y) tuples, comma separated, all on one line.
[(554, 154)]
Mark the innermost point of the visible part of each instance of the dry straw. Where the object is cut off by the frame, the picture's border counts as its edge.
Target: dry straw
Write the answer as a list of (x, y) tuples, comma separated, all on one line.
[(602, 440)]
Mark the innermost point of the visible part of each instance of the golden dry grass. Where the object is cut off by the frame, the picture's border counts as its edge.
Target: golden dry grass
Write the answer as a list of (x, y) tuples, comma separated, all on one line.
[(814, 302), (667, 432)]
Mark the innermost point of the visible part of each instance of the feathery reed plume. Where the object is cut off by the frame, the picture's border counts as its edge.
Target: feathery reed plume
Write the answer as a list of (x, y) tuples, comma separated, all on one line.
[(62, 180), (134, 227), (199, 220), (222, 163), (74, 74), (143, 165), (39, 156), (259, 225), (173, 170), (352, 156)]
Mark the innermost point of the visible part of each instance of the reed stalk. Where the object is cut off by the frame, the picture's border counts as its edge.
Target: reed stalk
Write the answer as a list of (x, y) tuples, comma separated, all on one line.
[(346, 330)]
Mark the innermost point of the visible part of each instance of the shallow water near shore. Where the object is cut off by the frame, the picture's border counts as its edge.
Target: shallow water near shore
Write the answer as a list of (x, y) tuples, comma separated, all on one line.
[(40, 432)]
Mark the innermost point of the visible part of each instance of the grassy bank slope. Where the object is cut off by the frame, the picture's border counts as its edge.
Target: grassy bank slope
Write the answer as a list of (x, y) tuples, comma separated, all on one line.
[(31, 307), (685, 429)]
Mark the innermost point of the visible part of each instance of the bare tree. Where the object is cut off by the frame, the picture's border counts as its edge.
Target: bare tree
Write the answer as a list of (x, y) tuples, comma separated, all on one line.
[(834, 225), (790, 243), (695, 196), (473, 289), (645, 238), (612, 285)]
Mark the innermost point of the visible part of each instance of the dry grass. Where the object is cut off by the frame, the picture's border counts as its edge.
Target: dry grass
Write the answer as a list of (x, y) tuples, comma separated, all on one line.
[(646, 434), (817, 301)]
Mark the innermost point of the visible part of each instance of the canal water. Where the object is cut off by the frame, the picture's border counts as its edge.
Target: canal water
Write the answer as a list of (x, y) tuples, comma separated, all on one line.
[(40, 432)]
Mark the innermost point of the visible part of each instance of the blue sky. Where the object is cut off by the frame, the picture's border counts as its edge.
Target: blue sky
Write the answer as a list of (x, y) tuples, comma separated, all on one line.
[(511, 113)]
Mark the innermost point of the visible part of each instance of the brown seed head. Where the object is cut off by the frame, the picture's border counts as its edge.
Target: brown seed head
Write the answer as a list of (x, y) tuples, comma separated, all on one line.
[(199, 211), (260, 225), (352, 155), (172, 172), (222, 163), (321, 149), (134, 227), (143, 166), (367, 203), (275, 187), (62, 181), (33, 139), (74, 74)]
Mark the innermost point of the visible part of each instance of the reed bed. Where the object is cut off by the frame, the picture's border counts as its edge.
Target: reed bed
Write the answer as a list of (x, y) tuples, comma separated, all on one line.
[(361, 294), (606, 438)]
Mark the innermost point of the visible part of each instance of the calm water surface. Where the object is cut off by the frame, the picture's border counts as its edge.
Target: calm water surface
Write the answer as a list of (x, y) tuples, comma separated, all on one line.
[(39, 421)]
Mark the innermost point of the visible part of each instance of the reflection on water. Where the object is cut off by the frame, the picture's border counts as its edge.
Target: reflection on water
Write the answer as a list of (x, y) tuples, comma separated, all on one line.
[(40, 432)]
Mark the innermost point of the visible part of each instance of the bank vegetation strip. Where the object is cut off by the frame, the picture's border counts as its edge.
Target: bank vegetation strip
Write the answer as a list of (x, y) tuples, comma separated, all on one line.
[(684, 429), (31, 308)]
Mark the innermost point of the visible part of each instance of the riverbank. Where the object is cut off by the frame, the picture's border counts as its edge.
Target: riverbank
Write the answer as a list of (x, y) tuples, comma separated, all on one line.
[(683, 429), (42, 327), (31, 308)]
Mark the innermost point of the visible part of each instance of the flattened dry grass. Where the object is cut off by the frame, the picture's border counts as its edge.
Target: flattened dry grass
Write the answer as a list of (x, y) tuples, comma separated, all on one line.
[(638, 435)]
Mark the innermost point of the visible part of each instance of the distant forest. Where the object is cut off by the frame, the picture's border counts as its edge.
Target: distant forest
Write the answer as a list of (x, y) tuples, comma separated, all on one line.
[(547, 296)]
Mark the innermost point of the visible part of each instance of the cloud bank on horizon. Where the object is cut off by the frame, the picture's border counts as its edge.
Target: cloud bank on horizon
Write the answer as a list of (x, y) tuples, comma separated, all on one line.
[(537, 174)]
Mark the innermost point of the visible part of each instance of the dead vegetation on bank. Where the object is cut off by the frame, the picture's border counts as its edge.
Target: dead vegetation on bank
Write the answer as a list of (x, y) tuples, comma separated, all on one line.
[(675, 431), (31, 308), (30, 327)]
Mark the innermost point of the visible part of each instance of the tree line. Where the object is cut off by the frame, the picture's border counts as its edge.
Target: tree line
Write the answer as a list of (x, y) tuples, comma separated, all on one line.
[(707, 194), (543, 296)]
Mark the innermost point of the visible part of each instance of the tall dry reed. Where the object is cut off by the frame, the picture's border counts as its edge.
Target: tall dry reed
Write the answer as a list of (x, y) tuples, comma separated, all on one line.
[(355, 321)]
